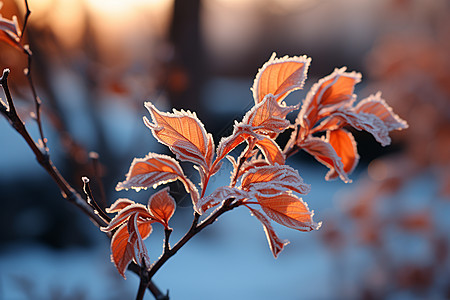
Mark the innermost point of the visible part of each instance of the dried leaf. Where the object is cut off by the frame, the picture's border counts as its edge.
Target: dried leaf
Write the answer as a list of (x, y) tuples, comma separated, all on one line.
[(162, 206), (375, 105), (275, 243), (280, 76), (273, 180), (325, 153), (290, 211), (344, 144), (182, 132)]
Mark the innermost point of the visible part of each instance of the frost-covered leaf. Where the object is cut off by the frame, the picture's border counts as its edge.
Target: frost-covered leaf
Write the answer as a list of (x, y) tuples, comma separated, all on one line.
[(275, 243), (153, 170), (220, 194), (268, 117), (123, 215), (365, 122), (162, 206), (325, 153), (240, 133), (330, 93), (375, 105), (288, 210), (280, 76), (182, 132), (344, 144), (122, 251), (118, 205), (271, 151), (273, 180)]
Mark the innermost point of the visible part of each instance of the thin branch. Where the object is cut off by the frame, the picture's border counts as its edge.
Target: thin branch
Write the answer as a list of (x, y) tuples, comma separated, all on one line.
[(25, 19), (90, 200), (98, 177), (37, 100)]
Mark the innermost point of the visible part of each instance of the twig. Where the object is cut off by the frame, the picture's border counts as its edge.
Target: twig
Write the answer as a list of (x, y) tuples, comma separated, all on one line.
[(25, 19), (98, 177), (37, 100), (90, 200)]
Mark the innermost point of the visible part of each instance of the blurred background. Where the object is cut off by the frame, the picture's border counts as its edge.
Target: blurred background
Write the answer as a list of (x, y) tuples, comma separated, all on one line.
[(95, 62)]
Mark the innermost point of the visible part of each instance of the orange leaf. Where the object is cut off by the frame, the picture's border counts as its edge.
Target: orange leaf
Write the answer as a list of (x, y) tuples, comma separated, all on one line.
[(162, 206), (325, 153), (119, 205), (280, 76), (123, 251), (125, 213), (271, 151), (268, 116), (274, 179), (364, 121), (344, 144), (331, 92), (290, 211), (153, 170), (275, 243), (241, 132), (375, 105), (182, 132)]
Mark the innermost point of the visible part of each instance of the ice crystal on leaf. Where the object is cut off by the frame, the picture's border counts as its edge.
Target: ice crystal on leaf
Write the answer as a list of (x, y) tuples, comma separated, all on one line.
[(260, 179)]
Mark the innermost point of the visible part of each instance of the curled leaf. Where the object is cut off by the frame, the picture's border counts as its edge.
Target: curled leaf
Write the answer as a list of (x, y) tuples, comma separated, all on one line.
[(375, 105), (162, 206), (280, 76), (290, 211), (325, 153), (122, 250)]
